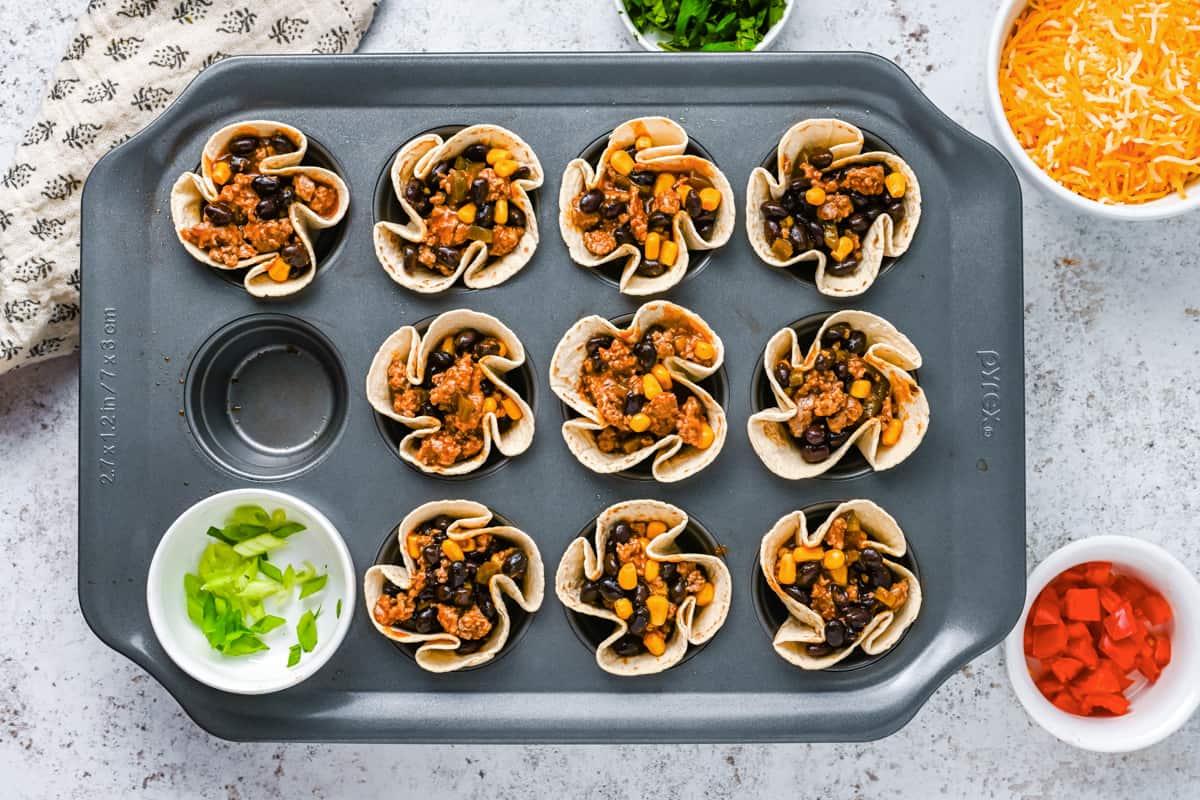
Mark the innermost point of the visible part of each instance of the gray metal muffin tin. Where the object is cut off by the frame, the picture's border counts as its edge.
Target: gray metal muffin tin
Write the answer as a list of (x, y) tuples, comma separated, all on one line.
[(164, 424)]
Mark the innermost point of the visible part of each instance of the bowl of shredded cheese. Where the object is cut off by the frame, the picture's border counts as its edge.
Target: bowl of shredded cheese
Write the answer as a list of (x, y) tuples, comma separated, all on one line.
[(1098, 101)]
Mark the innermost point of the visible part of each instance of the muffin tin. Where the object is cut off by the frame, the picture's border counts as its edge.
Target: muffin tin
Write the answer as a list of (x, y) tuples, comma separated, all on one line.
[(164, 338)]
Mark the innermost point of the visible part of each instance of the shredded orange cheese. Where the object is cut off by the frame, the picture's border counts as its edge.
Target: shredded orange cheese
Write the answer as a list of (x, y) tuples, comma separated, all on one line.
[(1104, 95)]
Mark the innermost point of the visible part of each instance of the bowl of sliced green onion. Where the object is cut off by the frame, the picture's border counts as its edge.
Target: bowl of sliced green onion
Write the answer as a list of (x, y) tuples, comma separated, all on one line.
[(251, 591), (704, 25)]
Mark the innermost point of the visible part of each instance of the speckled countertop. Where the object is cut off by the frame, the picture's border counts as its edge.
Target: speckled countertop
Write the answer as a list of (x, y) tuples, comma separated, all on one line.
[(1112, 323)]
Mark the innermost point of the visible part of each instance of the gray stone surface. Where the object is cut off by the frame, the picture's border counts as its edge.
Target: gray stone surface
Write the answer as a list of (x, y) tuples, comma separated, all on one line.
[(1112, 321)]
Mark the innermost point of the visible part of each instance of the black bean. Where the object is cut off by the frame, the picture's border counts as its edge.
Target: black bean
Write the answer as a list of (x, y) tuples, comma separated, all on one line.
[(794, 202), (441, 522), (610, 590), (238, 164), (468, 646), (465, 340), (840, 269), (856, 342), (479, 191), (598, 343), (796, 593), (266, 208), (818, 649), (641, 592), (774, 210), (485, 217), (814, 455), (243, 145), (651, 269), (295, 255), (427, 409), (265, 185), (783, 373), (821, 159), (464, 596), (426, 596), (815, 435), (801, 241), (633, 404), (627, 646), (515, 565), (647, 354), (835, 333), (692, 205), (822, 362), (516, 217), (476, 152), (772, 229), (836, 440), (487, 346), (448, 255), (705, 229), (838, 595), (643, 177), (667, 571), (800, 184), (590, 594), (590, 202), (881, 575), (219, 214), (613, 209), (677, 590), (521, 173), (841, 370), (807, 573), (391, 589), (282, 144), (835, 633), (658, 221), (895, 210), (869, 555), (474, 559), (612, 564), (624, 235), (440, 361), (858, 222), (487, 608), (856, 618), (706, 218), (639, 621), (457, 573), (620, 533), (444, 592), (431, 555), (434, 180), (285, 196), (425, 620), (816, 231)]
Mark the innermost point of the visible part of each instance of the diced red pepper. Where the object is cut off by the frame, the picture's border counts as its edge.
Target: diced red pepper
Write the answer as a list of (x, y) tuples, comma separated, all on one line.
[(1046, 609), (1082, 650), (1110, 599), (1066, 668), (1130, 588), (1121, 624), (1067, 703), (1101, 680), (1098, 573), (1048, 641), (1076, 574), (1049, 685), (1082, 605), (1123, 653), (1027, 640), (1077, 630), (1155, 608), (1162, 650), (1109, 703), (1147, 666)]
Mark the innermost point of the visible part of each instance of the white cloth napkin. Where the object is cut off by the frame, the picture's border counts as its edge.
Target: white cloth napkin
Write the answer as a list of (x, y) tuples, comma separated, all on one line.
[(126, 62)]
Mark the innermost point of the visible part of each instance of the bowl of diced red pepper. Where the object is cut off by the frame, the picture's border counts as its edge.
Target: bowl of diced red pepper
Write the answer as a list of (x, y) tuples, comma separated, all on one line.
[(1107, 653)]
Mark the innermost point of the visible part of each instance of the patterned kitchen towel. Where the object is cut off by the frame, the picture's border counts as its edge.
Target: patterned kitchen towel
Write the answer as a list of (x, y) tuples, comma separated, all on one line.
[(127, 61)]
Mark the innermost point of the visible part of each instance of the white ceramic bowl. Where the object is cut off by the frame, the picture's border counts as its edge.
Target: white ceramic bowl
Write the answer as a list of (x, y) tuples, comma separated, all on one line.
[(179, 552), (1170, 206), (650, 40), (1156, 710)]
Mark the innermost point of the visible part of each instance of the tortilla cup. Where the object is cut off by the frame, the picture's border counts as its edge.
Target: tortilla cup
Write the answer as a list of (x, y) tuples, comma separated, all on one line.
[(888, 351), (693, 625), (436, 653), (417, 158), (804, 625), (884, 239), (415, 349), (668, 155), (672, 459), (191, 192)]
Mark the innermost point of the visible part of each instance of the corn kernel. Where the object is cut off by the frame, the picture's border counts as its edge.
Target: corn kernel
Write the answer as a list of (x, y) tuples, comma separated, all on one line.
[(639, 422), (489, 405), (815, 196), (221, 173), (860, 388), (655, 528), (663, 182), (838, 575), (852, 523), (496, 155), (627, 577), (655, 643), (448, 344), (785, 573), (622, 162), (704, 351), (650, 571), (660, 373), (623, 608), (653, 246), (506, 167), (659, 606), (891, 434), (896, 184), (803, 553), (710, 198), (669, 253), (843, 249), (707, 436), (467, 545), (651, 387), (511, 408), (414, 546), (706, 594), (500, 215), (834, 559), (279, 270), (466, 214), (643, 142), (451, 550), (503, 349), (683, 190)]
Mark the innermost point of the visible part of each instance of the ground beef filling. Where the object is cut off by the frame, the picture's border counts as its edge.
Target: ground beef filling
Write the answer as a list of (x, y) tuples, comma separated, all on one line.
[(837, 394), (250, 214), (644, 592), (635, 204), (450, 586), (465, 199), (634, 394), (844, 579), (831, 210), (457, 393)]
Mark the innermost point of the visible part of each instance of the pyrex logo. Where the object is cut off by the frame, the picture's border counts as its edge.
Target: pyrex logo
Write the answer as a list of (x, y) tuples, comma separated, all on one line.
[(989, 386)]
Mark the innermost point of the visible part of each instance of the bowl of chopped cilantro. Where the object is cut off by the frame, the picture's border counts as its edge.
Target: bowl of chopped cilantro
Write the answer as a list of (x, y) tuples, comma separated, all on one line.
[(704, 25), (250, 591)]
